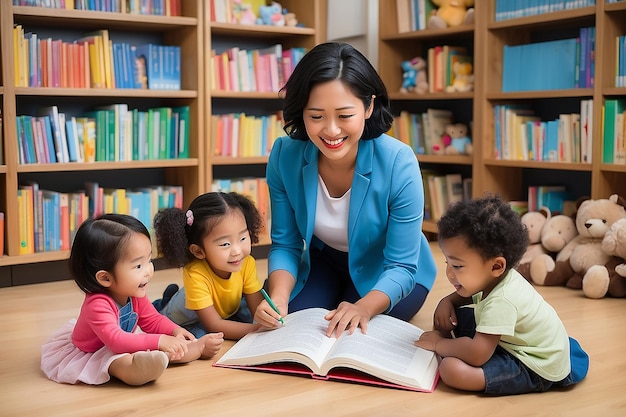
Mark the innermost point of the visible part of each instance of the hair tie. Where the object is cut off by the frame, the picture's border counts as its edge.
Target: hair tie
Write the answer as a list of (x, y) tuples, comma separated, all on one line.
[(189, 216)]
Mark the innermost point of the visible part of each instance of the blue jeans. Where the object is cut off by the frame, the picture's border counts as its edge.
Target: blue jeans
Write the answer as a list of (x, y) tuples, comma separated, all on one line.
[(507, 375), (176, 311), (329, 284)]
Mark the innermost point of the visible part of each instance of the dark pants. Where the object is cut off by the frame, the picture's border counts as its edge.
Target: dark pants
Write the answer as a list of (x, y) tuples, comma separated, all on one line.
[(329, 284)]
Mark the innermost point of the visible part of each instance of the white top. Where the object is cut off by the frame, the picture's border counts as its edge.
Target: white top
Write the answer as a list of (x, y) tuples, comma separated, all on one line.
[(331, 217)]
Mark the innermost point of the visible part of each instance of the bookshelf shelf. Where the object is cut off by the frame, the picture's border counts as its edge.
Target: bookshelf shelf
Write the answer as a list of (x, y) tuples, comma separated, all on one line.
[(560, 166), (244, 31), (185, 31), (546, 94), (103, 92), (245, 95), (553, 20)]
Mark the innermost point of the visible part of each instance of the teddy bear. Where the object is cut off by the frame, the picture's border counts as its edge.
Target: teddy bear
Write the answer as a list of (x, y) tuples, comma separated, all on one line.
[(463, 80), (414, 77), (609, 279), (593, 220), (456, 140), (451, 13), (534, 222)]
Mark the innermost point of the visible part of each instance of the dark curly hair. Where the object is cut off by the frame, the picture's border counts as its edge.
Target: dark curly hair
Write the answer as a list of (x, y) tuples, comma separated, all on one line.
[(98, 246), (489, 225), (174, 235), (336, 61)]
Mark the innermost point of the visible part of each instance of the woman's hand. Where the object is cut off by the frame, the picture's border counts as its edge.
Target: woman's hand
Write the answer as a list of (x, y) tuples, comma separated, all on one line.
[(347, 316)]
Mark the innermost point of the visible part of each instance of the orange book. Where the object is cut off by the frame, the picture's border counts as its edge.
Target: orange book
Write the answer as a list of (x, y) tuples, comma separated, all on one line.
[(64, 211)]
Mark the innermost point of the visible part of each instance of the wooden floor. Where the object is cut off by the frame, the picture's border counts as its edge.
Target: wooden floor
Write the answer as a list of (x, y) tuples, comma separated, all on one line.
[(29, 314)]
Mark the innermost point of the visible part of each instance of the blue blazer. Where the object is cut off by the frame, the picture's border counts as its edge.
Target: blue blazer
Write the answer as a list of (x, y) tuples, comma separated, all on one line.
[(387, 249)]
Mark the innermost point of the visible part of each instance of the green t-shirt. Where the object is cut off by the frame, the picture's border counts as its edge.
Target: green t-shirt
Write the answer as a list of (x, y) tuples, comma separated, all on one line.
[(530, 328)]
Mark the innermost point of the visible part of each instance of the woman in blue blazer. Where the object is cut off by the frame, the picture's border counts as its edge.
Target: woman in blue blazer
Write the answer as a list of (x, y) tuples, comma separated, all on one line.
[(347, 200)]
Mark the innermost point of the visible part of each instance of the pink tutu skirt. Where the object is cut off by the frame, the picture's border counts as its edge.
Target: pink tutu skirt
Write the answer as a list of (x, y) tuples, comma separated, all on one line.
[(63, 362)]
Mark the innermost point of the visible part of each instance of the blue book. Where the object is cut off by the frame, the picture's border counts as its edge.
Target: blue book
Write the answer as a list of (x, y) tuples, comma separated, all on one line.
[(28, 140), (72, 140), (52, 157)]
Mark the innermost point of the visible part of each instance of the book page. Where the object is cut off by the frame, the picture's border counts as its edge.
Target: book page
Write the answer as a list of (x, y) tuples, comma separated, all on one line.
[(302, 339), (387, 352)]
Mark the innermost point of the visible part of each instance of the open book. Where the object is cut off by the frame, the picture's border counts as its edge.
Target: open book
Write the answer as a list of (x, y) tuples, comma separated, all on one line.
[(384, 356)]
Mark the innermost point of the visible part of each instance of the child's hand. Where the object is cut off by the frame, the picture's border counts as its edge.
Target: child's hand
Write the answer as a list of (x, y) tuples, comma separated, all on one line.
[(175, 347), (444, 318), (183, 334), (428, 341)]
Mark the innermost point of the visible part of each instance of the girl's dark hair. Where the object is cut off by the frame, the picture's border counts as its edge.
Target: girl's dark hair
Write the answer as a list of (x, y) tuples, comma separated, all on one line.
[(99, 245), (174, 235), (488, 225), (336, 61)]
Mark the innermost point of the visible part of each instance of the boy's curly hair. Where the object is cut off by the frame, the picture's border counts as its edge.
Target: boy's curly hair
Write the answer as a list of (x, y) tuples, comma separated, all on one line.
[(488, 225)]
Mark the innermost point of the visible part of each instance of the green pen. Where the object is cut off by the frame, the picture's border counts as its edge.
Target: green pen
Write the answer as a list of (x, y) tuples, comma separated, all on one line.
[(271, 303)]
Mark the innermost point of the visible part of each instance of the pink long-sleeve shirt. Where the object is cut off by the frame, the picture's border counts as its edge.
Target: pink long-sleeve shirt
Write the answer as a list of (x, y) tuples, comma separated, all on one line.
[(98, 326)]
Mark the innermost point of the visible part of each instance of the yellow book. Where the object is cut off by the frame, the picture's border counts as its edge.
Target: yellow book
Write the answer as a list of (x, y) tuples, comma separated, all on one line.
[(16, 54)]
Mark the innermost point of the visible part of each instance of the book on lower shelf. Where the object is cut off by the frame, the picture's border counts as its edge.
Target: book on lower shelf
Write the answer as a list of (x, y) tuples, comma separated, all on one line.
[(385, 356)]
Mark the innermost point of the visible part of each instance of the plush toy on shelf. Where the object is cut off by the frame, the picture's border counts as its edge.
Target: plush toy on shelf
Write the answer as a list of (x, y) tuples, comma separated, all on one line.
[(456, 140), (534, 222), (463, 80), (593, 220), (451, 13), (271, 15), (414, 77)]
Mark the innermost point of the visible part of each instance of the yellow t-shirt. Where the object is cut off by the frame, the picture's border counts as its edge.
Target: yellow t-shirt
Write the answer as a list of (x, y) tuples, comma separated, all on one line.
[(203, 288)]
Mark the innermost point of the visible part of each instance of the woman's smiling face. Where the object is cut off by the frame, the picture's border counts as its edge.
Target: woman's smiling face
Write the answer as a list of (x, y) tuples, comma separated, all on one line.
[(335, 119)]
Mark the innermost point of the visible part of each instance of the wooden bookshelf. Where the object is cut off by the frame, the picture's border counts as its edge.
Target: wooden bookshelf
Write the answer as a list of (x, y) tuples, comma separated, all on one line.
[(185, 31), (510, 178)]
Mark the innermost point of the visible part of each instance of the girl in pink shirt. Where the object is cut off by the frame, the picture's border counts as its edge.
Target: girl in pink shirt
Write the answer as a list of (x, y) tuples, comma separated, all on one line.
[(111, 261)]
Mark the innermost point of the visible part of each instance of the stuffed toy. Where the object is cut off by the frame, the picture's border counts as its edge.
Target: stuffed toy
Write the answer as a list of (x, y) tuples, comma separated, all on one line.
[(456, 141), (414, 77), (451, 13), (271, 15), (463, 78), (534, 222), (593, 220), (609, 279)]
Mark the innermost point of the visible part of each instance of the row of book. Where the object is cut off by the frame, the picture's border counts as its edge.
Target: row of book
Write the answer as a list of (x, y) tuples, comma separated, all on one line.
[(254, 188), (441, 62), (513, 9), (48, 220), (93, 61), (111, 133), (413, 14), (564, 64), (521, 135), (442, 190), (423, 132), (264, 70), (241, 135), (614, 131), (555, 197), (147, 7), (620, 61)]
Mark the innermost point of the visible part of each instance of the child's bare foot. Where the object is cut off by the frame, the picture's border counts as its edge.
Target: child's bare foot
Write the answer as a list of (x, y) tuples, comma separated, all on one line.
[(212, 343), (140, 367)]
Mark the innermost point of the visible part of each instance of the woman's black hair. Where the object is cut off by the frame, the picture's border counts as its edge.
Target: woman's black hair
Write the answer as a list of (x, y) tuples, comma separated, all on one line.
[(489, 225), (98, 246), (176, 229), (336, 61)]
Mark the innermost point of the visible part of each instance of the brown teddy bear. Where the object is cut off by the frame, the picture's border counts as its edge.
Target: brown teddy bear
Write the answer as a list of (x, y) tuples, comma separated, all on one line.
[(534, 222), (609, 279), (451, 13), (594, 218)]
